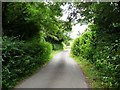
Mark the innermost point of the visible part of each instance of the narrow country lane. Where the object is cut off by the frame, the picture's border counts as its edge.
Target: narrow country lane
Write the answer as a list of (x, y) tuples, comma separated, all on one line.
[(61, 72)]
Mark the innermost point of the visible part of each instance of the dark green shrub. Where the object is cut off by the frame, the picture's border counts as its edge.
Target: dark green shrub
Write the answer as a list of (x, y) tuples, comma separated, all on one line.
[(20, 58)]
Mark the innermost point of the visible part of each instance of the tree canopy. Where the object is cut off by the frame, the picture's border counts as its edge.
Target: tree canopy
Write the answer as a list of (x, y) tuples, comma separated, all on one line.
[(32, 19)]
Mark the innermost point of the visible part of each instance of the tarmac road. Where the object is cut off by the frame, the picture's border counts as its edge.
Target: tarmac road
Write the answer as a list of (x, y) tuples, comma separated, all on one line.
[(61, 72)]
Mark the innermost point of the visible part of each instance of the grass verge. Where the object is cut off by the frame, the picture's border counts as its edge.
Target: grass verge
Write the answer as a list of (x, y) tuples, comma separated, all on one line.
[(91, 74)]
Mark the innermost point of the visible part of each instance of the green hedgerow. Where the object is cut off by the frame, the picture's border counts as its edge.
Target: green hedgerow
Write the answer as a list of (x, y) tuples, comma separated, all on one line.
[(20, 58)]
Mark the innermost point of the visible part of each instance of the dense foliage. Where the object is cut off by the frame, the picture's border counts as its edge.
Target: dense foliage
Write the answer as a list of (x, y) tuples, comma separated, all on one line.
[(27, 29), (21, 58), (100, 43), (30, 20)]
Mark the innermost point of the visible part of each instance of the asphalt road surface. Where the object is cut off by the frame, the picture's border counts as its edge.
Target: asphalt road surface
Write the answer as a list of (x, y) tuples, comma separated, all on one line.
[(61, 72)]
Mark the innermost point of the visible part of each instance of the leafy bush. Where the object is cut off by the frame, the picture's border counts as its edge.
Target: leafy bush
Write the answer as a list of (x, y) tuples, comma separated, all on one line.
[(103, 52), (21, 58), (76, 47)]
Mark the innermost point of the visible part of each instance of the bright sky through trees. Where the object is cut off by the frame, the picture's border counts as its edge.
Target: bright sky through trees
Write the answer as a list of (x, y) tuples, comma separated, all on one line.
[(76, 29)]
